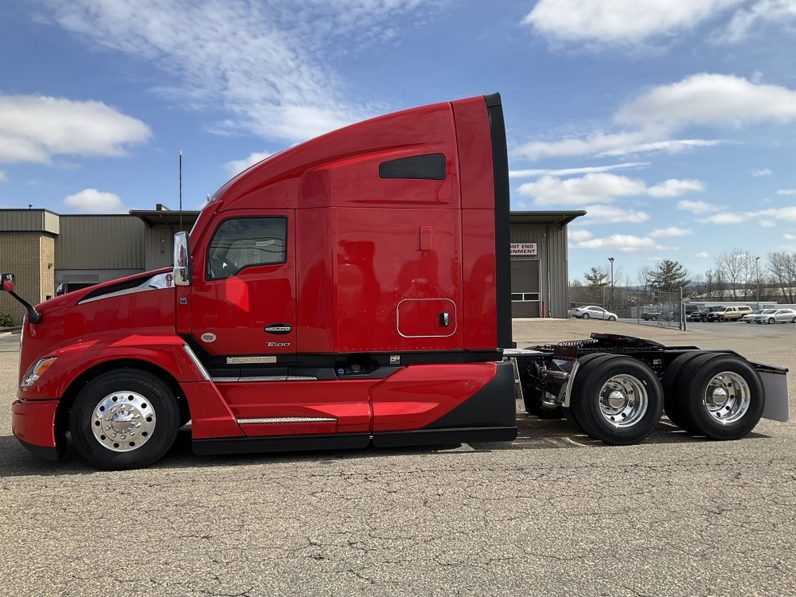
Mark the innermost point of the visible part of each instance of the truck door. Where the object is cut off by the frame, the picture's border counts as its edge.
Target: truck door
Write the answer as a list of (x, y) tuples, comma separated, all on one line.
[(243, 299)]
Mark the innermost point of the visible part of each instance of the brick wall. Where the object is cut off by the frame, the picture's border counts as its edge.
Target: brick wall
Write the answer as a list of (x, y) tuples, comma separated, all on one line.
[(26, 255)]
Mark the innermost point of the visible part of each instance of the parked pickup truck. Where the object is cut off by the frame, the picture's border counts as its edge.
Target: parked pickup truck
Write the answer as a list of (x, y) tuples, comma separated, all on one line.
[(352, 291), (731, 313)]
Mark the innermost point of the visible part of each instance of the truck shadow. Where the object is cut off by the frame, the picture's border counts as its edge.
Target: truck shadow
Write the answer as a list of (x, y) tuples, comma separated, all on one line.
[(533, 434)]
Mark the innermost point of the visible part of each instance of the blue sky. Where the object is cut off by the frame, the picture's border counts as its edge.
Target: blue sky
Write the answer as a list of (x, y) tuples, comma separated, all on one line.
[(671, 122)]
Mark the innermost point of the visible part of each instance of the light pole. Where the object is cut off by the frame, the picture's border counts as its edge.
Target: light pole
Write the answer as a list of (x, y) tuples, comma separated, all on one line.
[(611, 259), (757, 277)]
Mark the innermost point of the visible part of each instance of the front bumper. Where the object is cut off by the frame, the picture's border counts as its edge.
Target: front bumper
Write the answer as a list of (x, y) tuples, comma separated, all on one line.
[(33, 424)]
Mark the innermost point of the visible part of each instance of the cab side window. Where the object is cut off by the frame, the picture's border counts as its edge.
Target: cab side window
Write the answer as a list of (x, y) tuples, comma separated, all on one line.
[(242, 242)]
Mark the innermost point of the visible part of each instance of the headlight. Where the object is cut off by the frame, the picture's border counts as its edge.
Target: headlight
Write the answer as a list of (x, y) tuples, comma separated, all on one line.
[(35, 372)]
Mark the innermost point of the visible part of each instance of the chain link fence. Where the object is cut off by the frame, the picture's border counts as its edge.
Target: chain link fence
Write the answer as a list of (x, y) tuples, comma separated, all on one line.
[(644, 307)]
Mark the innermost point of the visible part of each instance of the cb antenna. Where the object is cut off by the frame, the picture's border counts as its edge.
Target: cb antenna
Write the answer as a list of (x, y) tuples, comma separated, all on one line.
[(180, 189)]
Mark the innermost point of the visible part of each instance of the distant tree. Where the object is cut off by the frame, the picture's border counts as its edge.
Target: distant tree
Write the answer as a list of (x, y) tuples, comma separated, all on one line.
[(737, 269), (669, 276), (782, 266), (714, 284), (596, 277)]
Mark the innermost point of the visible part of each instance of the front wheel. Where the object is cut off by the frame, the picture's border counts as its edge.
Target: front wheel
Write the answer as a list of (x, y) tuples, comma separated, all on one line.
[(771, 320), (612, 318), (586, 316), (617, 399), (124, 419)]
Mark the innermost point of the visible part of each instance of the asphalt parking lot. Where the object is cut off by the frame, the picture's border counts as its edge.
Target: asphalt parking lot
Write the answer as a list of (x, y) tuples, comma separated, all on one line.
[(553, 513)]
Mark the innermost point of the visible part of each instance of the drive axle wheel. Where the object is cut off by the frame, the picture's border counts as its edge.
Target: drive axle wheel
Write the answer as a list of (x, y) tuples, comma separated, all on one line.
[(124, 419), (671, 380), (721, 395), (617, 399)]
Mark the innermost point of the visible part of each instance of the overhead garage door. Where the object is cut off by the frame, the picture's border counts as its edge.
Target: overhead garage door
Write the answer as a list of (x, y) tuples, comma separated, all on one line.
[(524, 288)]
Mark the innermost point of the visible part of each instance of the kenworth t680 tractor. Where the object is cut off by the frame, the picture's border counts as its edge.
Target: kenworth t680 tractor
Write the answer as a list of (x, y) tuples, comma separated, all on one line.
[(352, 291)]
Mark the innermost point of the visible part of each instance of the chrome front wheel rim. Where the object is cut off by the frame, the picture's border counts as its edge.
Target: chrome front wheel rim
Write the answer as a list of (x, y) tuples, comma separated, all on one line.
[(727, 397), (123, 421), (623, 400)]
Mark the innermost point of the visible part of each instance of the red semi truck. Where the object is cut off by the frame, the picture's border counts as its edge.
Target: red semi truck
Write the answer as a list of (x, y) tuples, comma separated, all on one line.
[(348, 292)]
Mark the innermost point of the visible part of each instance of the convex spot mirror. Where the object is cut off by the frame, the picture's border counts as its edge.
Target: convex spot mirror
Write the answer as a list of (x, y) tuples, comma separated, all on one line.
[(8, 282)]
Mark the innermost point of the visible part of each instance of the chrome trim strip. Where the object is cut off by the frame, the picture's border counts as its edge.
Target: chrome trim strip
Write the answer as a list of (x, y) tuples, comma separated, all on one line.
[(278, 420), (197, 363), (156, 282), (250, 360), (265, 378)]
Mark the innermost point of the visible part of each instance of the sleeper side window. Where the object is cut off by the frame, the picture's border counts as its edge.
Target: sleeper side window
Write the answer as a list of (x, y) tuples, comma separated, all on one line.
[(243, 242)]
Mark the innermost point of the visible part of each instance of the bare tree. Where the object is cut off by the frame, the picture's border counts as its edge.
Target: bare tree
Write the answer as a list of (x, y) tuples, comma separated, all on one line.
[(714, 284), (737, 270), (782, 266)]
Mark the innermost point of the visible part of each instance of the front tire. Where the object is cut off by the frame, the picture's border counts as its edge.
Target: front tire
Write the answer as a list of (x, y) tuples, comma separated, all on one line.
[(771, 320), (618, 400), (586, 316), (124, 419), (612, 318)]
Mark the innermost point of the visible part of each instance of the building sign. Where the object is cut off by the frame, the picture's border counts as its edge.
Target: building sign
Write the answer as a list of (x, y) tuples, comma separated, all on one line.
[(524, 249)]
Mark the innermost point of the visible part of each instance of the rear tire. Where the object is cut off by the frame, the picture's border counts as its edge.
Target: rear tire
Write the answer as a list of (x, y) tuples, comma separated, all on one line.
[(721, 396), (671, 381), (618, 400), (586, 365), (124, 419)]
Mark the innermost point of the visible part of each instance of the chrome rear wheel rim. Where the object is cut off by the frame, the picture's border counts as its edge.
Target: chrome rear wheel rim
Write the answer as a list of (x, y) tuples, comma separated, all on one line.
[(623, 400), (727, 397), (123, 421)]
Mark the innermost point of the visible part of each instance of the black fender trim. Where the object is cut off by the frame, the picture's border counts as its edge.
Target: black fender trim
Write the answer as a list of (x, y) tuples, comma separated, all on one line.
[(280, 443), (52, 453), (491, 406), (431, 437)]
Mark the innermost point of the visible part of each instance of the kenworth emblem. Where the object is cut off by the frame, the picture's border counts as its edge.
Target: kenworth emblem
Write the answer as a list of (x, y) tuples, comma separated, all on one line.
[(208, 337)]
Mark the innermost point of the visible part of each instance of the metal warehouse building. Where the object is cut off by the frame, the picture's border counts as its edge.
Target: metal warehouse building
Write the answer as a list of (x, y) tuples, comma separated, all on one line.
[(45, 249)]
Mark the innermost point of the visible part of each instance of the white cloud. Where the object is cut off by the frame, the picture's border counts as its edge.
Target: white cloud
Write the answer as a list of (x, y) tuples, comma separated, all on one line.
[(649, 140), (533, 172), (37, 128), (702, 255), (762, 12), (600, 187), (786, 192), (787, 214), (725, 218), (94, 201), (625, 243), (788, 236), (710, 99), (696, 207), (653, 121), (262, 62), (578, 234), (768, 223), (669, 146), (762, 172), (619, 22), (236, 166), (670, 232), (611, 214)]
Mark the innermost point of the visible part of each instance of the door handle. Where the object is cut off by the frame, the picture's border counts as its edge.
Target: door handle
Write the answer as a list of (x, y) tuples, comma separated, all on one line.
[(444, 319)]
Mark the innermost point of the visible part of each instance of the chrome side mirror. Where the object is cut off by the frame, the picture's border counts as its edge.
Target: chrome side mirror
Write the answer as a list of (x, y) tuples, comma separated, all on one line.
[(182, 260)]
